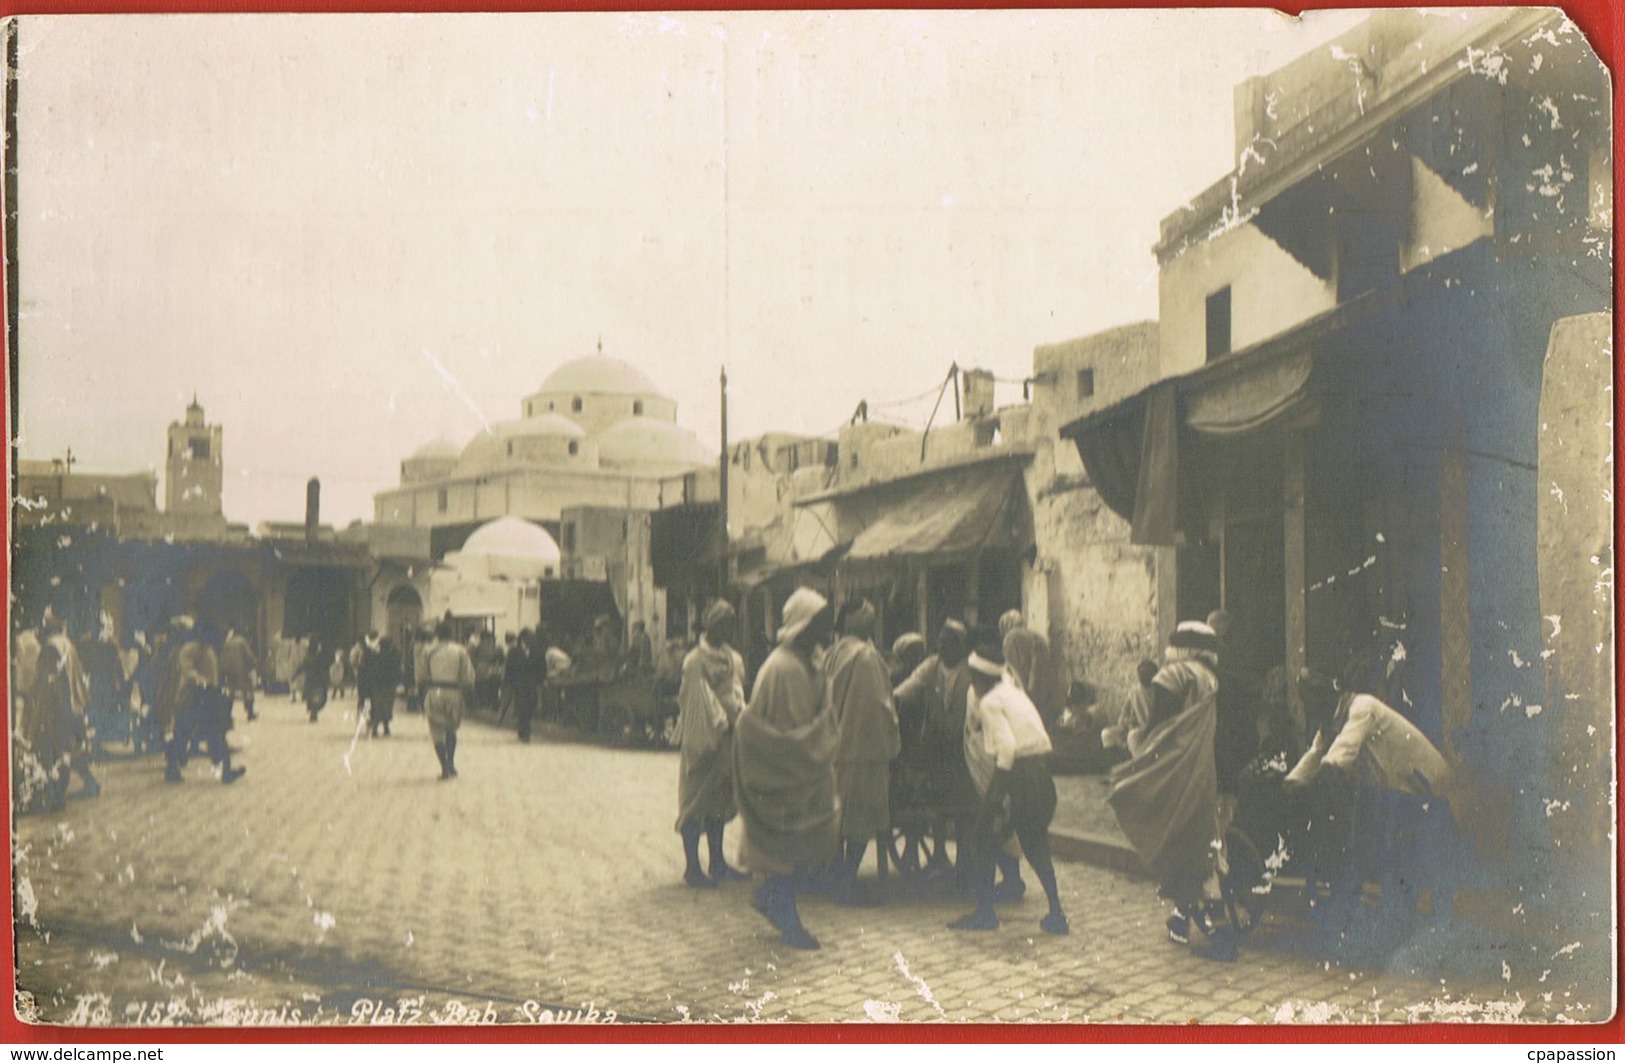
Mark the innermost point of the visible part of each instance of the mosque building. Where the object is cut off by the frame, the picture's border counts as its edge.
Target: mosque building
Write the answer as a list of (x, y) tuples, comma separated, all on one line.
[(595, 450)]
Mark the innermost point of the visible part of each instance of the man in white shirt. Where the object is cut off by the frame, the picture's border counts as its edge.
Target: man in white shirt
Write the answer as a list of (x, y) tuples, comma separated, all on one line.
[(1404, 782), (1373, 745), (1015, 758)]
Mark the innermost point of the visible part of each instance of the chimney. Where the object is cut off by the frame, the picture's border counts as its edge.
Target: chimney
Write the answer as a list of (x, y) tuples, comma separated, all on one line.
[(1252, 113), (313, 509), (978, 394)]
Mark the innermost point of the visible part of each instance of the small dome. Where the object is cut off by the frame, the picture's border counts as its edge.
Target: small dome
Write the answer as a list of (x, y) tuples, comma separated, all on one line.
[(547, 424), (535, 439), (485, 448), (598, 375), (437, 450), (513, 538), (645, 441)]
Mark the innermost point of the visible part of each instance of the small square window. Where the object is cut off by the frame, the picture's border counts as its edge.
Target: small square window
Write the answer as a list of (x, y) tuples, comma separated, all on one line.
[(442, 500), (575, 404), (1086, 383), (510, 448), (575, 448), (637, 407)]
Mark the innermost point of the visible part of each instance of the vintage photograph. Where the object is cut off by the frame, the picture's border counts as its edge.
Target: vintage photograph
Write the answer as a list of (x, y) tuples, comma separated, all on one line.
[(1067, 517)]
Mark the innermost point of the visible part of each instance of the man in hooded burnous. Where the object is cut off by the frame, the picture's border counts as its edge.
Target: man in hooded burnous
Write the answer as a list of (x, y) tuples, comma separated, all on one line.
[(861, 698), (784, 767), (709, 702), (1166, 796), (52, 730)]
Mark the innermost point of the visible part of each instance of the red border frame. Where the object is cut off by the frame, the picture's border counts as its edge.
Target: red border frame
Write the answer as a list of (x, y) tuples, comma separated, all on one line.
[(1604, 25)]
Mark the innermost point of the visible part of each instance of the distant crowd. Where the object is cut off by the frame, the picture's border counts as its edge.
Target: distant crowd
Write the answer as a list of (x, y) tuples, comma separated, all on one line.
[(174, 693)]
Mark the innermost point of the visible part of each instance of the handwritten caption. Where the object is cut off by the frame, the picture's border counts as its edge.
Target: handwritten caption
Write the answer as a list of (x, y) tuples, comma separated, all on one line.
[(412, 1011)]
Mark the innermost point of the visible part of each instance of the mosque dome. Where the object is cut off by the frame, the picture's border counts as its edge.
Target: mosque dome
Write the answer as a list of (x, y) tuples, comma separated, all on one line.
[(598, 375), (546, 439), (547, 424), (646, 441), (437, 450), (484, 451), (509, 548), (430, 461), (513, 537)]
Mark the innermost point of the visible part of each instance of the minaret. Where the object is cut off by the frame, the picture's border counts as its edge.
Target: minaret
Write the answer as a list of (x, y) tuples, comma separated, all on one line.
[(194, 472)]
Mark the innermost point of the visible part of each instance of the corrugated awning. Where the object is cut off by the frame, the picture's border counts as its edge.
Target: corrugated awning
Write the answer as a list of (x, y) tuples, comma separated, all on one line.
[(950, 517)]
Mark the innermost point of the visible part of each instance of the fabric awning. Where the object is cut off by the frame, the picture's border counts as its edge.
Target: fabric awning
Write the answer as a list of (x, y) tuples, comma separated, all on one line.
[(1131, 448), (949, 517), (1250, 401)]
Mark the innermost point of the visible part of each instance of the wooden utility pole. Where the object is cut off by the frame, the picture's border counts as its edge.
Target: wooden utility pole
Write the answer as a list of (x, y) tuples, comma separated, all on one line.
[(722, 520)]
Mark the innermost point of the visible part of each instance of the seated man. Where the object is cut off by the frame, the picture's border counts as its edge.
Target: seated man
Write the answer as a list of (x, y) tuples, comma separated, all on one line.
[(1128, 732), (1404, 781)]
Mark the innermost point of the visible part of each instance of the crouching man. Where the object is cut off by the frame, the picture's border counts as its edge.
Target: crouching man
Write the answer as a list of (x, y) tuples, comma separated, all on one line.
[(1367, 751)]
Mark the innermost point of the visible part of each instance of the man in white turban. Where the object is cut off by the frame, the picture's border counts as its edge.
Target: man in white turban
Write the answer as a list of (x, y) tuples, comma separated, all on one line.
[(784, 767)]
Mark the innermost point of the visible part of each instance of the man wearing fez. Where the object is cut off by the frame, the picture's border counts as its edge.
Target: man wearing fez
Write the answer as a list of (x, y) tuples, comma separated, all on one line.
[(784, 767), (931, 709)]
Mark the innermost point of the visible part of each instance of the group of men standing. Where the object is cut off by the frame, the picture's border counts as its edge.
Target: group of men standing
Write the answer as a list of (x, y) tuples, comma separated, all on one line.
[(807, 760)]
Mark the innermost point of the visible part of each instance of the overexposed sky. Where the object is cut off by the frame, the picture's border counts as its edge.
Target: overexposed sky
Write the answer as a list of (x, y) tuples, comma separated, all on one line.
[(350, 235)]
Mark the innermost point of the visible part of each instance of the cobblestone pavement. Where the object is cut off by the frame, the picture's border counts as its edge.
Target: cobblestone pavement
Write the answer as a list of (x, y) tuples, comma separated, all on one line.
[(340, 881)]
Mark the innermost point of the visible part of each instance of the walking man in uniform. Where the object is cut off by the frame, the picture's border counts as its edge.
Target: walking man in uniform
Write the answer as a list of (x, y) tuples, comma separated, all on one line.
[(447, 682)]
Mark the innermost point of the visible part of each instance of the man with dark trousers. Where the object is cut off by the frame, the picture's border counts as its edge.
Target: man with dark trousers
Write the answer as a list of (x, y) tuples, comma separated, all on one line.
[(1018, 797)]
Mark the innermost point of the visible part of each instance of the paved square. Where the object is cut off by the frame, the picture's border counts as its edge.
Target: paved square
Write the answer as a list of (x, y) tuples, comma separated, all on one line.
[(341, 882)]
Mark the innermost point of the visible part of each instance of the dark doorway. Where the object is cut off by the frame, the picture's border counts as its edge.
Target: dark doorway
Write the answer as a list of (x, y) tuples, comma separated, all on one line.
[(404, 613), (999, 587), (1198, 580), (318, 606), (1255, 590), (230, 601)]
